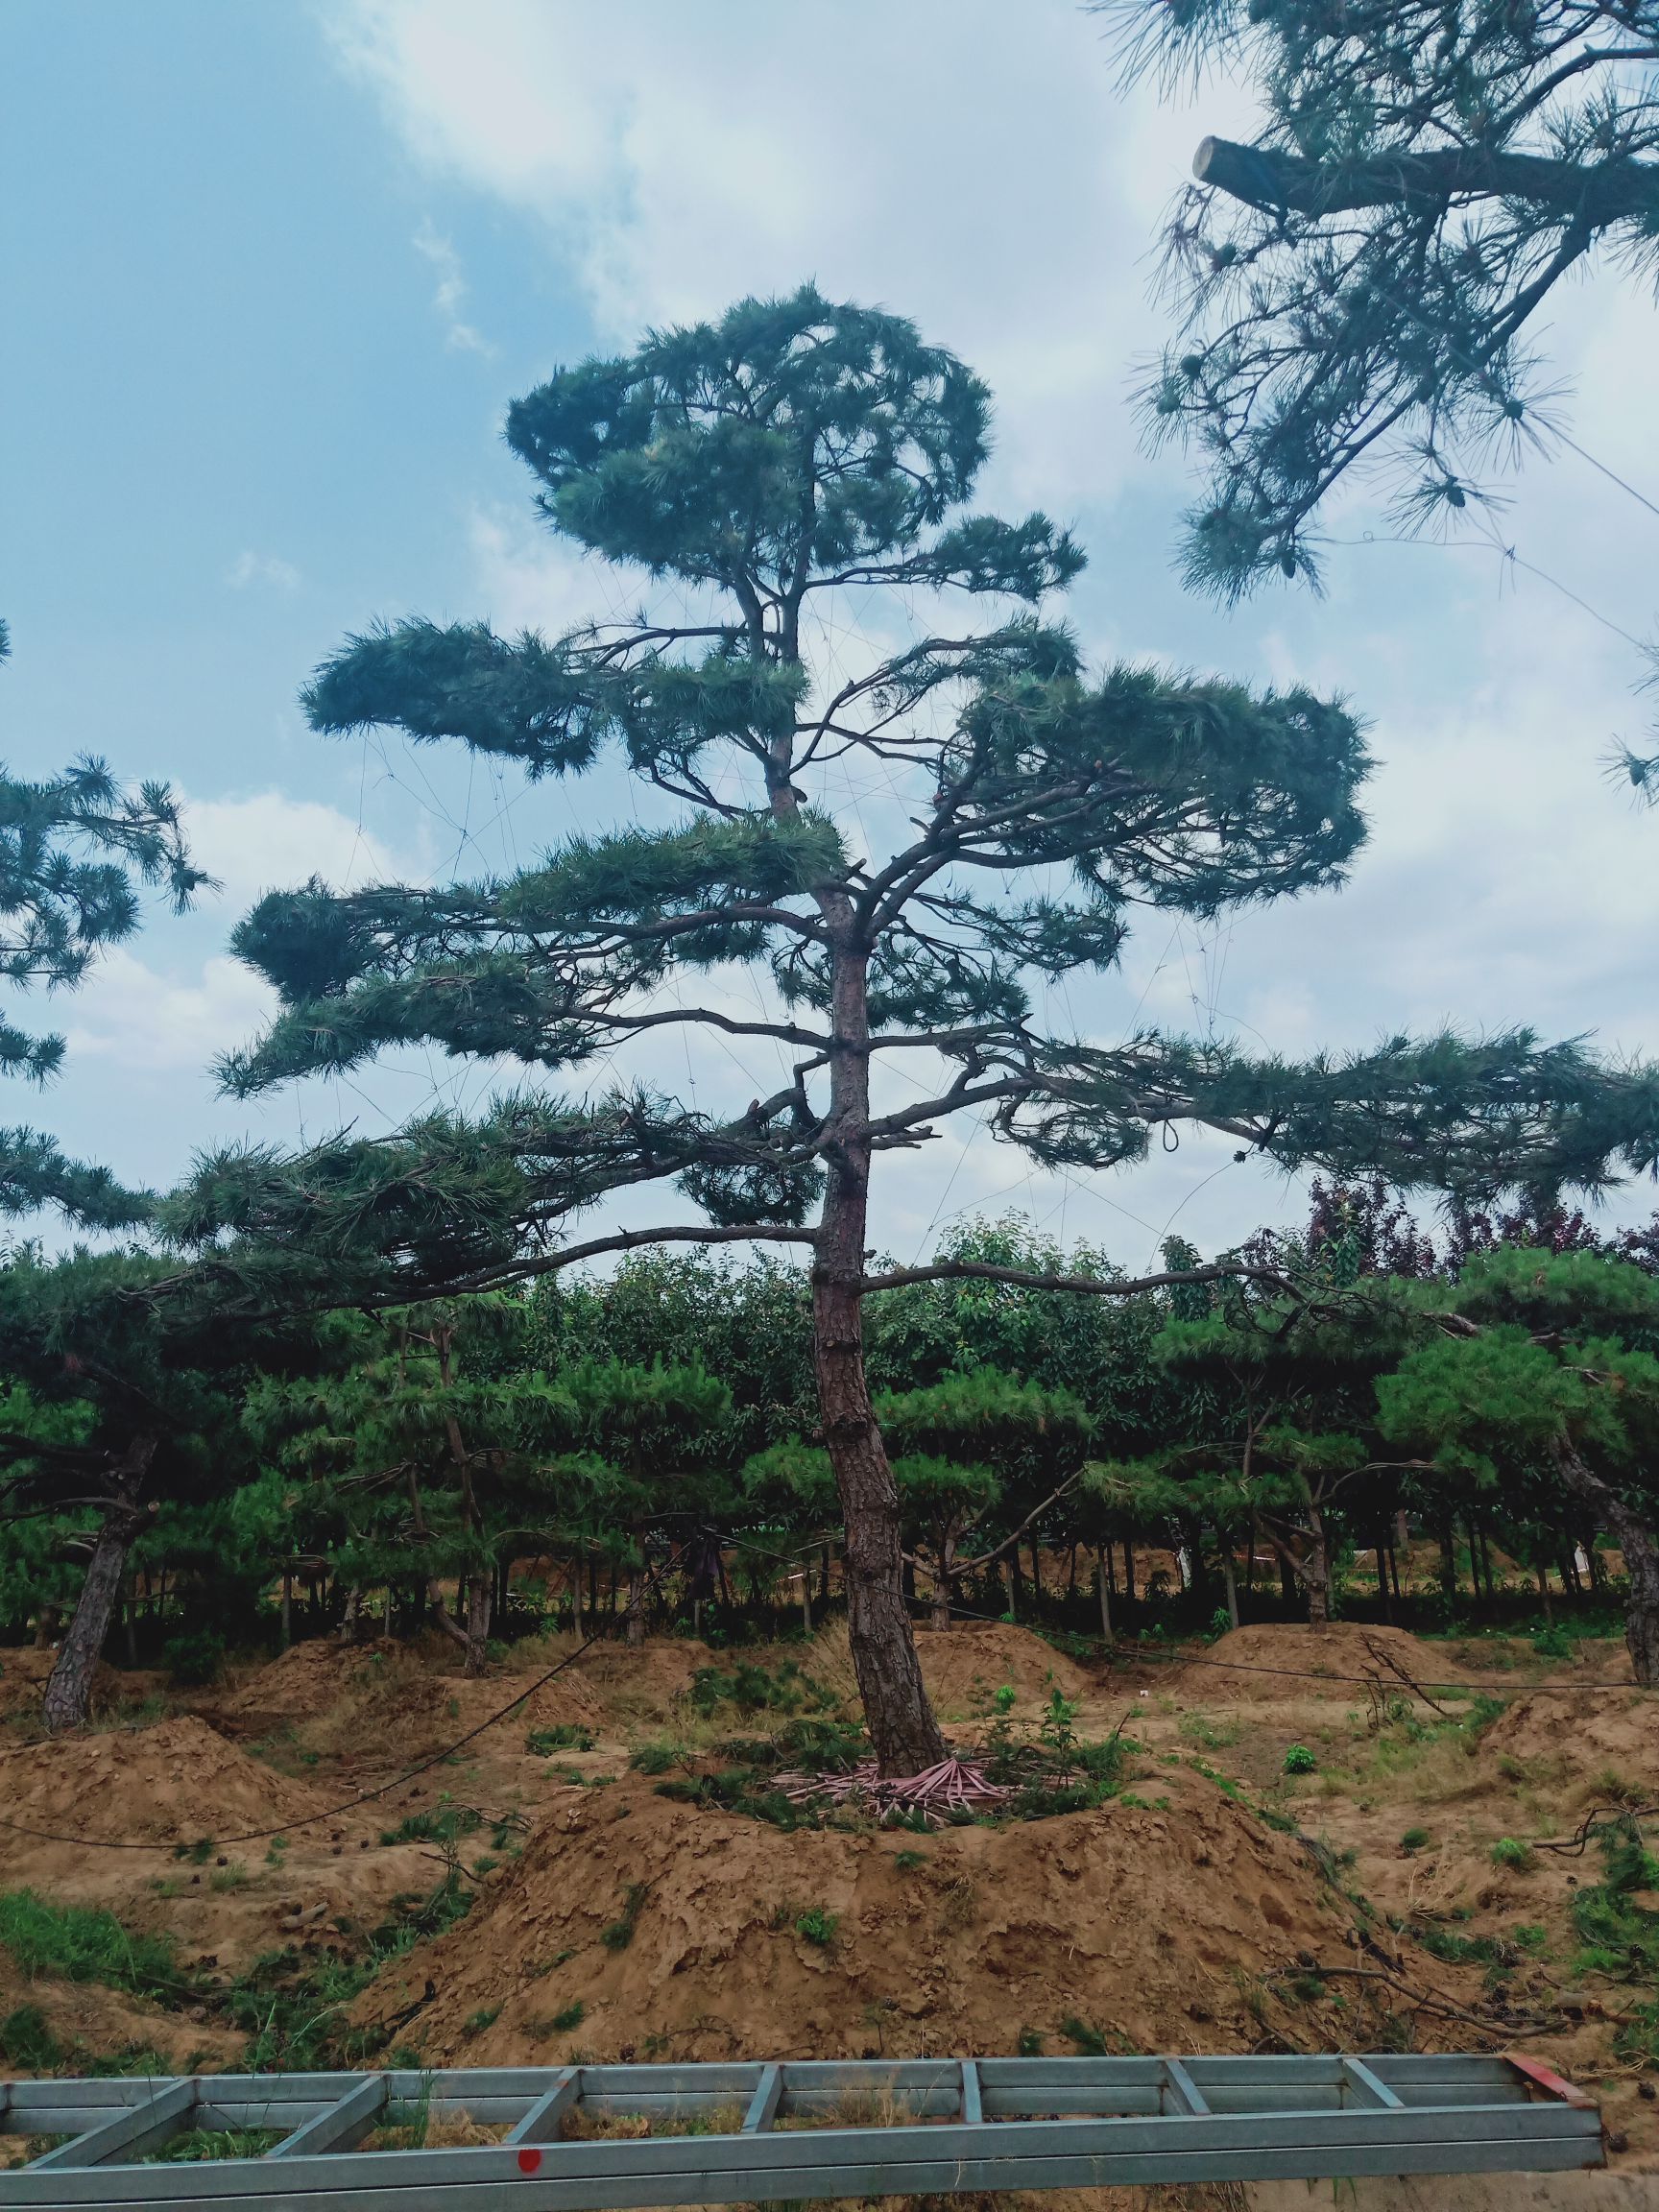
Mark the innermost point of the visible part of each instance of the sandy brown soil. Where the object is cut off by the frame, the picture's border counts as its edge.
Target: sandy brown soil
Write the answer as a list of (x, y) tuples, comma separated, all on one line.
[(1181, 1922), (1148, 1925)]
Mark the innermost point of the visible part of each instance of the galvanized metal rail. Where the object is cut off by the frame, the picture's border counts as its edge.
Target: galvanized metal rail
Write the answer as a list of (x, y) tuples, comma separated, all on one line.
[(731, 2134)]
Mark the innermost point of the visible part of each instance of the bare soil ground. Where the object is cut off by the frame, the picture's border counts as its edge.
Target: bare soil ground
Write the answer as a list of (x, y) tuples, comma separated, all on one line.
[(1220, 1902)]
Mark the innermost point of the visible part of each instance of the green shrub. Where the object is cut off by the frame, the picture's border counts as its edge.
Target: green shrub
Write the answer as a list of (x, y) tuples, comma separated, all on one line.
[(1299, 1760), (572, 2016), (817, 1926), (194, 1659), (1415, 1839), (1510, 1851)]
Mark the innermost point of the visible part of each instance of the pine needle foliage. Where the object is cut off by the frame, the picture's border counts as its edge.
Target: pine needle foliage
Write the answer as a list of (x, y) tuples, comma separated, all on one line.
[(1357, 288)]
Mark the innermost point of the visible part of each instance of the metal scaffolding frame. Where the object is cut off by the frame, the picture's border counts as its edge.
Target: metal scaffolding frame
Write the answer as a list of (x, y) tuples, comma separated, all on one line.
[(730, 2134)]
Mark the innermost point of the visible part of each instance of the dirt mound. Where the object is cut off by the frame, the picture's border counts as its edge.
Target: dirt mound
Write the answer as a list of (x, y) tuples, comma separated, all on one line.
[(1602, 1740), (23, 1683), (306, 1680), (965, 1667), (90, 2025), (635, 1923), (170, 1784), (392, 1699), (638, 1682), (1270, 1663)]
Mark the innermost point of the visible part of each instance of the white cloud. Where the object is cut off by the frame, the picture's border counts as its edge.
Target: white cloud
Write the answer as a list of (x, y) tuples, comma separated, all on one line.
[(249, 568), (154, 1004), (958, 161), (270, 842), (450, 292), (970, 163), (132, 1016)]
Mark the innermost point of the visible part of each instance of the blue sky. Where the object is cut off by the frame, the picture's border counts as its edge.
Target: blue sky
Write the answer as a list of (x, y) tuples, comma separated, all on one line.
[(273, 274)]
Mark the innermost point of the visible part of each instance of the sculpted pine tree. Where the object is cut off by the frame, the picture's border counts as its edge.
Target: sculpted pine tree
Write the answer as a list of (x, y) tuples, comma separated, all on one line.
[(1359, 283), (758, 468)]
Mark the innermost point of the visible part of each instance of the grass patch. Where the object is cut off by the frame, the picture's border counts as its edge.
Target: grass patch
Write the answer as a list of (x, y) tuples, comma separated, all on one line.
[(1214, 1735), (28, 2043), (567, 1735), (446, 1823), (192, 2144), (82, 1944)]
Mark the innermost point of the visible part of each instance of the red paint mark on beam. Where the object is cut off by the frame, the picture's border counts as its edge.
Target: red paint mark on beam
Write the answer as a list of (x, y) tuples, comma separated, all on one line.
[(1552, 2085)]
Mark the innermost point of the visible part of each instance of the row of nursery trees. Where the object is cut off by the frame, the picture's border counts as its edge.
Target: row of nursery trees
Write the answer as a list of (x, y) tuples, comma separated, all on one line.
[(655, 1436), (333, 1355)]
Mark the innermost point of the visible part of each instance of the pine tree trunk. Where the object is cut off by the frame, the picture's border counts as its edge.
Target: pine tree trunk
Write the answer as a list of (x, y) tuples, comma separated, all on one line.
[(46, 1628), (69, 1699), (1230, 1577), (1103, 1580), (944, 1582), (1447, 1566), (1317, 1572), (902, 1730), (635, 1629), (1636, 1540), (478, 1595)]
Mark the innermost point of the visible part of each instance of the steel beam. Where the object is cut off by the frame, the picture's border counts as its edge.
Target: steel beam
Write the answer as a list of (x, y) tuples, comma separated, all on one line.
[(980, 2126)]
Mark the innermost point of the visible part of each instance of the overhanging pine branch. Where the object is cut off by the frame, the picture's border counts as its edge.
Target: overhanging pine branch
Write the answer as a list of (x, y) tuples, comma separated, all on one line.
[(1262, 176)]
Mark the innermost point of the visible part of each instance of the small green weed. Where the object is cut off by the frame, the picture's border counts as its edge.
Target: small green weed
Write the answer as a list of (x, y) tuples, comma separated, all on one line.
[(1510, 1852), (572, 2016), (446, 1823), (1299, 1760), (1028, 2043), (619, 1933), (817, 1926), (565, 1736), (1415, 1839)]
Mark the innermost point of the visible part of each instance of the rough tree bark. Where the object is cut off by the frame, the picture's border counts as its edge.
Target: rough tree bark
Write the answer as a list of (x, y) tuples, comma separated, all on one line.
[(1636, 1541), (69, 1699), (478, 1595), (902, 1730), (1229, 1578)]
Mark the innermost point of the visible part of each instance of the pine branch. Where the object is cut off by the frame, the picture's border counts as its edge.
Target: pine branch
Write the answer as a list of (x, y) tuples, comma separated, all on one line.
[(1593, 193)]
